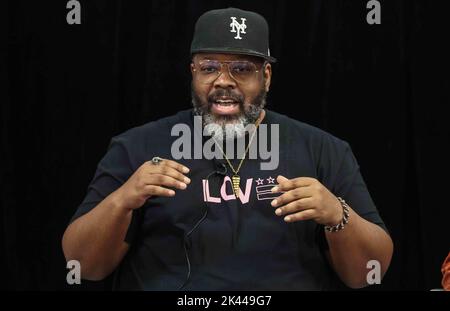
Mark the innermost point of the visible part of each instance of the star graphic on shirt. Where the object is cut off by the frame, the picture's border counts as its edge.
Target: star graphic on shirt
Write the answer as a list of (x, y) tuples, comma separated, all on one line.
[(259, 181), (270, 180)]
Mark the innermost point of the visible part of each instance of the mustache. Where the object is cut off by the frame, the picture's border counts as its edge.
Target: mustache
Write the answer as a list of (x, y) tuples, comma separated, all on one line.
[(225, 93)]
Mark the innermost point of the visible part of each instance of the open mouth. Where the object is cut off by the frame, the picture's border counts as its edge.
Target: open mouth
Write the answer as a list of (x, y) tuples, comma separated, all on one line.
[(225, 106)]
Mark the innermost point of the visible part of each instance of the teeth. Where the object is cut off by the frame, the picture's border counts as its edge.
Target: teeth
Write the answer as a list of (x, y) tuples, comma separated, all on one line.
[(220, 101)]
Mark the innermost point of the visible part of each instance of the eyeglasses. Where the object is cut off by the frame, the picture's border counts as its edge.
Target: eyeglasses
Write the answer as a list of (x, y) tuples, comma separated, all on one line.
[(241, 71)]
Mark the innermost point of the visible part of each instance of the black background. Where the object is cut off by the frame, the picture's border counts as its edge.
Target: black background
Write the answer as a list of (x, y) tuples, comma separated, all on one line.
[(67, 89)]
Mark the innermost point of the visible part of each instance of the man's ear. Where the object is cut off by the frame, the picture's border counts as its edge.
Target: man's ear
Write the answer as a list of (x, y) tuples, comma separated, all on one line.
[(267, 75)]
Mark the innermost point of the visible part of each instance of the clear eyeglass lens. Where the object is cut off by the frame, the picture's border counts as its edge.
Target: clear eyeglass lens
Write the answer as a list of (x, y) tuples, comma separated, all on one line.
[(241, 71)]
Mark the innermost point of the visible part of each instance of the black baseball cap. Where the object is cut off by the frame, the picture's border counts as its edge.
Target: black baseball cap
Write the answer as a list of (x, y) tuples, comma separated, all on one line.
[(232, 31)]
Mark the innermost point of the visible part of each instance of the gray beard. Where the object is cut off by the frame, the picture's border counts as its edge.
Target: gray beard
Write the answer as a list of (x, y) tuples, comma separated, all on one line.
[(228, 127)]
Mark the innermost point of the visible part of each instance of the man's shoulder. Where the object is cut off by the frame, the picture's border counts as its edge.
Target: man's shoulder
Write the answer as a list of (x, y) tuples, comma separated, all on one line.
[(298, 129)]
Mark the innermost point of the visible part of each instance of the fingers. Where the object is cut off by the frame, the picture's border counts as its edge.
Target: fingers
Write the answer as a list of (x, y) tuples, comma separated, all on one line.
[(171, 172), (175, 165), (303, 215), (152, 190), (292, 195), (166, 174), (281, 179), (285, 184), (299, 205), (170, 168), (297, 202), (164, 180)]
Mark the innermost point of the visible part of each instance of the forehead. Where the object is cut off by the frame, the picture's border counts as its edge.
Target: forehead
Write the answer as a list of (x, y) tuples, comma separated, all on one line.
[(226, 57)]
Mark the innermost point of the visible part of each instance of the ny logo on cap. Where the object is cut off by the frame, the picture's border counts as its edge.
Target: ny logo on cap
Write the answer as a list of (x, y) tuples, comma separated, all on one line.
[(236, 27)]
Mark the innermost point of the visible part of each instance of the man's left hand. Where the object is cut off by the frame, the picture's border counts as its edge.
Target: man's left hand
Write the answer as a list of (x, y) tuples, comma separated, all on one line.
[(306, 198)]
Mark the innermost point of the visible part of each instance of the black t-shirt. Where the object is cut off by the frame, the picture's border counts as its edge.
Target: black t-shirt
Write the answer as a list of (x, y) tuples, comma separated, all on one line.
[(240, 244)]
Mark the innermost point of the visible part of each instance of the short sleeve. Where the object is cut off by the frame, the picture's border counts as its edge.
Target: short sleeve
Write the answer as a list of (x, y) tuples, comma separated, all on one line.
[(349, 184), (112, 172), (339, 172)]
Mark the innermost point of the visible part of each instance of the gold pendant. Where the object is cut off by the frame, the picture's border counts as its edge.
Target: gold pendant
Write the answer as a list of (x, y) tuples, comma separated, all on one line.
[(236, 180)]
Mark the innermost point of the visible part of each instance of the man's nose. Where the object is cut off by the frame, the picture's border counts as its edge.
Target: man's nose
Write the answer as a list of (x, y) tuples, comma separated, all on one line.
[(224, 80)]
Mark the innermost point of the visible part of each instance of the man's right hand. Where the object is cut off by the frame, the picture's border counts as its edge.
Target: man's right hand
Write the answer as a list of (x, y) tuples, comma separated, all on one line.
[(152, 180)]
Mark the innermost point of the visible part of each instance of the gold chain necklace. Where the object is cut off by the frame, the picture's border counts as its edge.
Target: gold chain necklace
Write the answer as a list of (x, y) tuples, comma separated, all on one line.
[(236, 179)]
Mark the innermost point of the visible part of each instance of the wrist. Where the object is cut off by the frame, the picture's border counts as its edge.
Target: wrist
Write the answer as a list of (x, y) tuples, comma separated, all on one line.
[(337, 216), (345, 215), (119, 202)]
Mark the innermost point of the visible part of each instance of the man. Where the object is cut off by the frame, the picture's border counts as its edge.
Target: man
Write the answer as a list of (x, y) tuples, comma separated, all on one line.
[(226, 223)]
